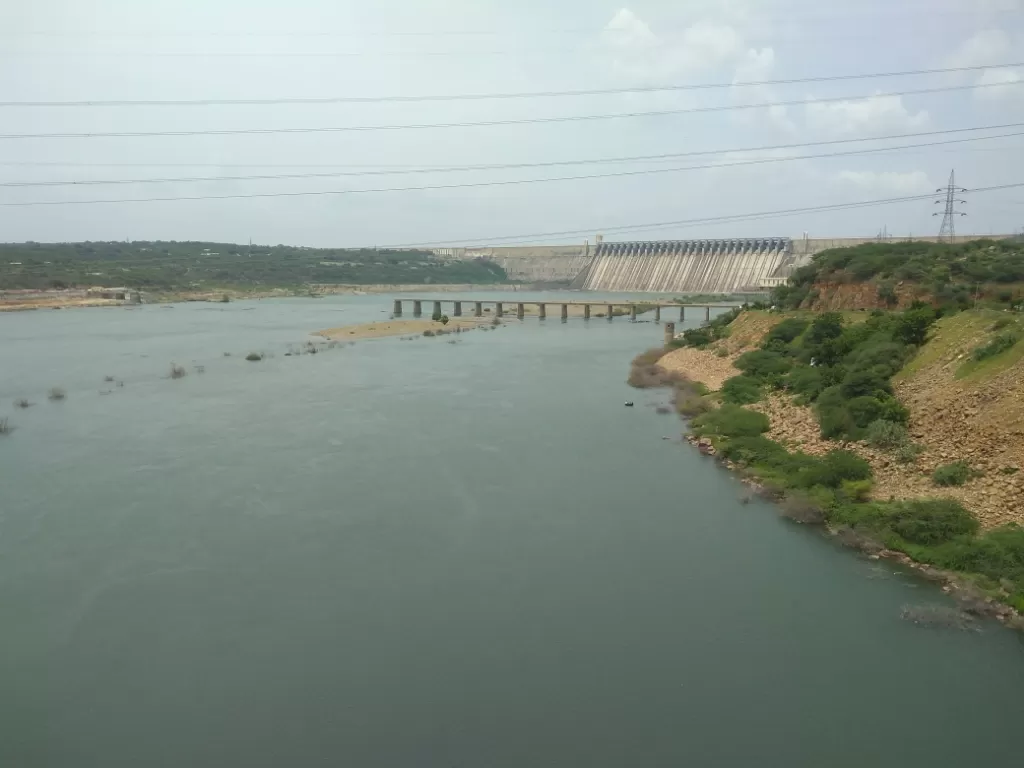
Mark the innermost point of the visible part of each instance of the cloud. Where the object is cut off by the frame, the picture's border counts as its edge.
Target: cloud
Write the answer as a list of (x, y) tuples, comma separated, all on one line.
[(997, 78), (887, 182), (635, 50), (757, 66), (855, 116), (989, 46)]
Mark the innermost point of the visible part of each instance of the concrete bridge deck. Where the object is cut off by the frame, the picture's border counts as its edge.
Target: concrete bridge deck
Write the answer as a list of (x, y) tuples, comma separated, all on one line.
[(634, 307)]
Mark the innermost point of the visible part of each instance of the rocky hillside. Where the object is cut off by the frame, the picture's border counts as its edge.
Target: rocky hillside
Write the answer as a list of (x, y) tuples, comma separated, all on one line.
[(894, 275), (961, 409)]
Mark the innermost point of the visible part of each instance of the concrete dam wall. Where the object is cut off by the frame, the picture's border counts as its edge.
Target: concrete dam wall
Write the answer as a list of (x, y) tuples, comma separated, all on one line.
[(687, 266), (531, 263)]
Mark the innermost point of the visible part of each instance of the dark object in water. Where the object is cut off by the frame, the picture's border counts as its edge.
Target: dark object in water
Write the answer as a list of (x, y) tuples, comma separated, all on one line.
[(629, 403)]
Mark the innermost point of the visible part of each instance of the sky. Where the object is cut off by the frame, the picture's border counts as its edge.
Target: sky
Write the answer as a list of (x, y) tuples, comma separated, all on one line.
[(68, 50)]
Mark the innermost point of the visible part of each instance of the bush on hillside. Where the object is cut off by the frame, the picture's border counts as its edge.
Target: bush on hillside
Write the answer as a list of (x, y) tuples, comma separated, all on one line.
[(912, 326), (887, 434), (998, 554), (838, 466), (763, 365), (787, 331), (996, 346), (931, 521), (861, 382), (957, 473), (805, 381), (925, 522), (731, 421), (741, 390)]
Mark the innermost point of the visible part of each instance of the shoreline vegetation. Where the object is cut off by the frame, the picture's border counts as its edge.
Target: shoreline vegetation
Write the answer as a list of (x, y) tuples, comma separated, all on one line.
[(897, 431)]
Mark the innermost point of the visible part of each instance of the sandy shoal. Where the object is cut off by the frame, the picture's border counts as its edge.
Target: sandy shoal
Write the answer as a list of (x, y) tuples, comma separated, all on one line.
[(396, 328)]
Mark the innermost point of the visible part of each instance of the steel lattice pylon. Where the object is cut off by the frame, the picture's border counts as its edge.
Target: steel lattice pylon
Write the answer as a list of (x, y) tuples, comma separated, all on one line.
[(948, 228)]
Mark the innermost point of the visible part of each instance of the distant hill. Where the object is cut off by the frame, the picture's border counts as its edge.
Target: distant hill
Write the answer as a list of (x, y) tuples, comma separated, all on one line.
[(881, 275), (166, 266)]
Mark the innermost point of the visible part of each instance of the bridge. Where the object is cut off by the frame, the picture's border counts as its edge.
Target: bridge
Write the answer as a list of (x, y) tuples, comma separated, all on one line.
[(632, 308)]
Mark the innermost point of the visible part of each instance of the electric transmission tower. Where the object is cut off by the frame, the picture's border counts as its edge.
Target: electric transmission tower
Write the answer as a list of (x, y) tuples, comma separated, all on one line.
[(948, 228)]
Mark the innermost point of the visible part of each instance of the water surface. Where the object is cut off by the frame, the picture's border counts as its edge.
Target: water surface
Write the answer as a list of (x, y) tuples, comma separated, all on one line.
[(415, 553)]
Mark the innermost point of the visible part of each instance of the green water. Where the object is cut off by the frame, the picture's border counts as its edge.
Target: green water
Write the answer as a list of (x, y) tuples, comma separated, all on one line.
[(415, 553)]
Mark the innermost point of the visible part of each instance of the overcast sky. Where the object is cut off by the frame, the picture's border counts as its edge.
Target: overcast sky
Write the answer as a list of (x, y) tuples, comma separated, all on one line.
[(65, 50)]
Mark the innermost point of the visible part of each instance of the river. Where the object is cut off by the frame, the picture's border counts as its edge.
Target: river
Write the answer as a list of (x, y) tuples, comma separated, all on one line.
[(422, 554)]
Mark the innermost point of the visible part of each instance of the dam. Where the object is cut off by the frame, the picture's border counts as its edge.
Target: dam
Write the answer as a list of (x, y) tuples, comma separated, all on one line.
[(686, 266), (729, 265)]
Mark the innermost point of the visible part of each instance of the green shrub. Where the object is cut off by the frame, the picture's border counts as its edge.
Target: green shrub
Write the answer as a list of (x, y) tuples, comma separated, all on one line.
[(763, 365), (732, 421), (926, 522), (864, 410), (787, 331), (839, 466), (828, 325), (887, 434), (913, 324), (805, 380), (996, 346), (254, 357), (859, 383), (887, 292), (931, 521), (741, 390), (998, 554), (856, 490), (697, 337), (908, 453), (957, 473)]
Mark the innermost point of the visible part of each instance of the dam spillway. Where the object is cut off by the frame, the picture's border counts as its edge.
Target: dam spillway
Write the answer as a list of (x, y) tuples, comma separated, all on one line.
[(686, 266)]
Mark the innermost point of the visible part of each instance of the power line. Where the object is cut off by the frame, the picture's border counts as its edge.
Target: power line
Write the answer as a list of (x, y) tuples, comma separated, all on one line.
[(489, 123), (510, 166), (479, 184), (488, 96), (652, 226), (548, 164), (686, 222), (405, 168)]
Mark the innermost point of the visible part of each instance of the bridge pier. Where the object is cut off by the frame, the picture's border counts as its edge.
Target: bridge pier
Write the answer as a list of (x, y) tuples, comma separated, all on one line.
[(670, 333), (457, 311), (682, 314), (543, 311), (397, 311), (586, 311), (707, 314), (520, 311), (436, 314), (417, 308), (498, 310), (611, 312), (565, 312), (657, 314), (478, 309), (632, 313)]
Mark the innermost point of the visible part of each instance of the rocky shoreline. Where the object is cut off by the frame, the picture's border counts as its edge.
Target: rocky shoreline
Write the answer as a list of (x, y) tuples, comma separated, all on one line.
[(971, 603)]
